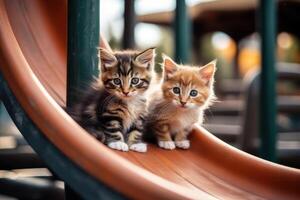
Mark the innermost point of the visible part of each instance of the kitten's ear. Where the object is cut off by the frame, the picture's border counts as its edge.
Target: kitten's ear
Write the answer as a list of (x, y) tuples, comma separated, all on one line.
[(207, 72), (146, 58), (107, 59), (169, 66)]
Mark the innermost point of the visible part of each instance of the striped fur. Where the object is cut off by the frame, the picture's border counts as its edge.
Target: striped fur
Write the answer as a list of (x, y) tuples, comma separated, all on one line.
[(172, 113), (113, 109)]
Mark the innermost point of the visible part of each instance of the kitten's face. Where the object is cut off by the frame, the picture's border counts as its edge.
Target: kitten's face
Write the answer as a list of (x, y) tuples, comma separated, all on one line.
[(187, 87), (127, 74)]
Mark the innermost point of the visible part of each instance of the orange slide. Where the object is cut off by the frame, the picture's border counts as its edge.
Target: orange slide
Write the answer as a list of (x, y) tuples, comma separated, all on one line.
[(33, 65)]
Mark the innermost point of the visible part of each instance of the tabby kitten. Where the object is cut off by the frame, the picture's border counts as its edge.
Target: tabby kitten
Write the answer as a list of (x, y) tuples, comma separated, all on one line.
[(185, 93), (113, 110)]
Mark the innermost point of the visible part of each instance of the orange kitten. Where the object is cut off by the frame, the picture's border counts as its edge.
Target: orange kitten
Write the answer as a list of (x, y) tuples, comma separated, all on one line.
[(185, 93)]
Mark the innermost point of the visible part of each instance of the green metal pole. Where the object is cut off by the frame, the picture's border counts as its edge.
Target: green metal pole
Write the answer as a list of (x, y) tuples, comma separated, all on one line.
[(268, 108), (182, 28), (83, 40), (129, 24)]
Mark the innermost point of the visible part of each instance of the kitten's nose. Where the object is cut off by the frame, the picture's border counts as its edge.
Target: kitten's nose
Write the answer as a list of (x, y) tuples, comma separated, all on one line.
[(183, 103), (126, 93)]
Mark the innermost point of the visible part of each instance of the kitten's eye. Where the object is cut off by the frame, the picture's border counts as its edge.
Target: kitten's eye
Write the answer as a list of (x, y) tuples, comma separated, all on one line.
[(176, 90), (135, 81), (117, 81), (193, 93)]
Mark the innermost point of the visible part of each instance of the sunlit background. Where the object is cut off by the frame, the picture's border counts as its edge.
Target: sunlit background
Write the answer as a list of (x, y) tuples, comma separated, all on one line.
[(214, 45), (111, 20)]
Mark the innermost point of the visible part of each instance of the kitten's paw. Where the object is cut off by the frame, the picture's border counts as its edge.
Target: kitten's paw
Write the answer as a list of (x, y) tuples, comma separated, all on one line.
[(166, 145), (184, 144), (139, 147), (118, 146)]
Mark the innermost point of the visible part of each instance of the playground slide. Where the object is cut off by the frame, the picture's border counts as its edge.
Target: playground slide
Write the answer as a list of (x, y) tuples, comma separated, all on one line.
[(33, 84)]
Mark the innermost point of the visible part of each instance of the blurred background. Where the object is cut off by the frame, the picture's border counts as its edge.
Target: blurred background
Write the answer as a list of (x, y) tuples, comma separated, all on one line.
[(192, 32)]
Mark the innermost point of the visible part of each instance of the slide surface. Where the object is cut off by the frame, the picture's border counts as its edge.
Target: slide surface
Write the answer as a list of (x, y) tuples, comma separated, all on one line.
[(33, 63)]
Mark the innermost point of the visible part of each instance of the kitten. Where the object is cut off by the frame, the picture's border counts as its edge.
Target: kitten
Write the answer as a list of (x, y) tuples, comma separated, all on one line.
[(114, 107), (184, 95)]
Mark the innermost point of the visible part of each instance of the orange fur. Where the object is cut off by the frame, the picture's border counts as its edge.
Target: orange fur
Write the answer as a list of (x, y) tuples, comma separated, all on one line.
[(173, 113)]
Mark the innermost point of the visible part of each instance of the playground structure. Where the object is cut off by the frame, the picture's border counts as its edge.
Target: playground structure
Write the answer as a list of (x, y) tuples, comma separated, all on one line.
[(33, 60)]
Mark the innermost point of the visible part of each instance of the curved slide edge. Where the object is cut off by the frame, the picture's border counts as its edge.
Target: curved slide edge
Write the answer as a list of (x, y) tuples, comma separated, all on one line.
[(90, 188)]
